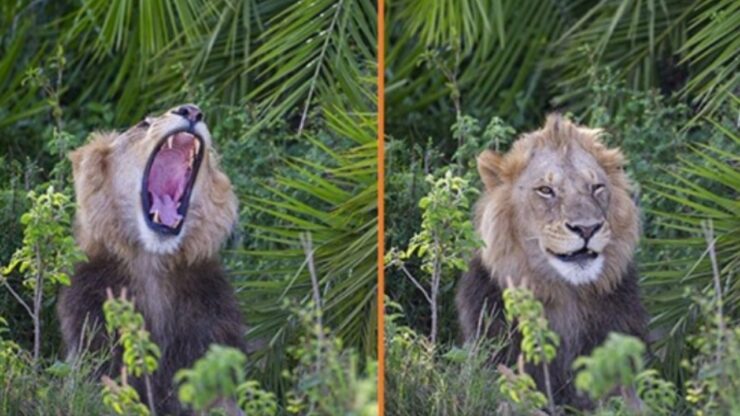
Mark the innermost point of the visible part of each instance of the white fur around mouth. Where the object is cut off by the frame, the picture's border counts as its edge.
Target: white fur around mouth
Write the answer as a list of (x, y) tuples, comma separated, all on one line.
[(578, 272)]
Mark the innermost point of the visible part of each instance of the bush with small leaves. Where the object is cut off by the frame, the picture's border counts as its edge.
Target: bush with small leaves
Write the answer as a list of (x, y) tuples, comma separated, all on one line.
[(539, 344), (520, 388), (10, 355), (328, 379), (47, 255), (218, 378), (122, 398), (617, 368), (613, 364), (446, 240), (140, 354)]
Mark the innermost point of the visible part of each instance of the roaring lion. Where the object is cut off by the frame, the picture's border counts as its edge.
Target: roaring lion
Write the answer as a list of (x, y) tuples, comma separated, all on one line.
[(556, 214), (153, 209)]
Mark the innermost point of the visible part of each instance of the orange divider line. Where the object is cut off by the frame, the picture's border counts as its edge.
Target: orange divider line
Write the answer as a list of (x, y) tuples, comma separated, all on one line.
[(381, 206)]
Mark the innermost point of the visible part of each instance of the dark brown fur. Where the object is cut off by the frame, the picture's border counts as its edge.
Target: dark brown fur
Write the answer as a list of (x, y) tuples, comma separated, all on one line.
[(616, 311), (203, 312)]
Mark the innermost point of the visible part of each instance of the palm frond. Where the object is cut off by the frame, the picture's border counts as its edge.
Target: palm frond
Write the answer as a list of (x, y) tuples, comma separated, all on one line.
[(485, 45), (334, 201), (312, 49), (707, 189), (712, 51)]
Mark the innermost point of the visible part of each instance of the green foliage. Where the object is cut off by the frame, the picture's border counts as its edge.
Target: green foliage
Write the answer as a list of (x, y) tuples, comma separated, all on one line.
[(615, 363), (704, 190), (255, 401), (46, 255), (121, 398), (617, 366), (447, 236), (329, 191), (140, 354), (657, 394), (520, 389), (326, 378), (539, 343), (10, 360), (445, 242), (712, 386), (219, 377), (59, 388), (48, 249), (440, 379), (538, 346)]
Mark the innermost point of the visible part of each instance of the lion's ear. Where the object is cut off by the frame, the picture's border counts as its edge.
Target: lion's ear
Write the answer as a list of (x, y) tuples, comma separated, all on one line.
[(489, 168), (89, 162)]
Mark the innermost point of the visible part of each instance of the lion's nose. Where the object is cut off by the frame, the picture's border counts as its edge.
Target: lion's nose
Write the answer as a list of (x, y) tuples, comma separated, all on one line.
[(585, 231), (190, 112)]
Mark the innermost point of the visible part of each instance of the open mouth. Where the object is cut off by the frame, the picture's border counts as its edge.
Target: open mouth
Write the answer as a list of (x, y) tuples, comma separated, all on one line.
[(168, 181), (579, 256)]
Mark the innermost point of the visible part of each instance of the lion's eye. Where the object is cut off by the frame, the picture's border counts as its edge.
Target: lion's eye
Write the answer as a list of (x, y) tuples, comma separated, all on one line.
[(145, 123), (596, 189), (545, 191)]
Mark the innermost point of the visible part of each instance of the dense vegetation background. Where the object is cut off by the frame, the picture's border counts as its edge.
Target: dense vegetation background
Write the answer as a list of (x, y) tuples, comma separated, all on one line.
[(661, 77), (288, 89)]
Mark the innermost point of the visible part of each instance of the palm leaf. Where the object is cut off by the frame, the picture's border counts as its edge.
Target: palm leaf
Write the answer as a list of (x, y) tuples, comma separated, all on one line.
[(311, 50), (709, 182), (334, 201)]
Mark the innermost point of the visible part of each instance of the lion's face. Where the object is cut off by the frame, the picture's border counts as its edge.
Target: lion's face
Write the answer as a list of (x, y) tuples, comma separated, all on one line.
[(155, 186), (557, 206), (564, 198)]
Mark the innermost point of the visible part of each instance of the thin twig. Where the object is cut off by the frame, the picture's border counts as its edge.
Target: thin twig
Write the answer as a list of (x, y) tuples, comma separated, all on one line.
[(307, 244), (150, 394), (320, 59), (416, 283), (708, 229), (38, 297), (436, 279), (18, 298), (548, 385)]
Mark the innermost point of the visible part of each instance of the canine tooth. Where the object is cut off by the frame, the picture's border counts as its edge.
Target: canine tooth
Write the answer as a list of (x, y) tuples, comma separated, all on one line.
[(156, 217), (177, 222), (170, 140), (197, 146)]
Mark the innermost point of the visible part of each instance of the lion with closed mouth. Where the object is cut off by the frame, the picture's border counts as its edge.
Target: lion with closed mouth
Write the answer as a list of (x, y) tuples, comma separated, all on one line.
[(153, 209), (557, 214)]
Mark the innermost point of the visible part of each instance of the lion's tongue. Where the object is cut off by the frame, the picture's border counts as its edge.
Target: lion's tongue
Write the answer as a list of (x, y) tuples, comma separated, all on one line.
[(168, 177)]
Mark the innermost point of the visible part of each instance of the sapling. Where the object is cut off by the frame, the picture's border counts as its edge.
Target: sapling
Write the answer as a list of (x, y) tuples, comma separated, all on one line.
[(446, 240), (46, 257)]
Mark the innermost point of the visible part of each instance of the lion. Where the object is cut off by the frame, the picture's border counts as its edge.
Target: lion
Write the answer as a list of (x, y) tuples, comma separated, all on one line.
[(556, 215), (153, 210)]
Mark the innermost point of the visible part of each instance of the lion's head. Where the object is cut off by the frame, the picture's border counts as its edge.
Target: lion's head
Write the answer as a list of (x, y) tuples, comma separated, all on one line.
[(557, 209), (155, 187)]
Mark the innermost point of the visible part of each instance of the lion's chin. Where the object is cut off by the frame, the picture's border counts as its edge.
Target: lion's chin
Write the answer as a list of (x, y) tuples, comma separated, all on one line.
[(586, 270)]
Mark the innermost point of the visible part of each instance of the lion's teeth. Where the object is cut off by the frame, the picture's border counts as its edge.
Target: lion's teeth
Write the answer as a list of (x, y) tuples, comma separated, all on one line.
[(177, 222), (197, 146), (170, 141), (156, 217)]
